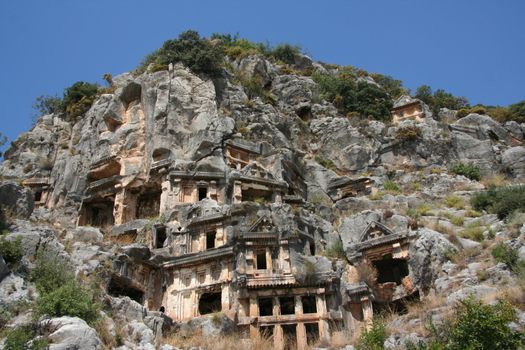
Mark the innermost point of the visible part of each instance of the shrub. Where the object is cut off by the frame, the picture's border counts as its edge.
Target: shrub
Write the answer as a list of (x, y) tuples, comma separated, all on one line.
[(474, 233), (391, 186), (457, 220), (505, 254), (78, 98), (50, 273), (479, 326), (502, 201), (374, 338), (47, 104), (463, 112), (327, 163), (336, 250), (440, 99), (285, 53), (70, 299), (348, 95), (468, 170), (478, 110), (408, 133), (11, 250), (196, 53), (475, 326), (60, 293), (453, 201), (18, 338)]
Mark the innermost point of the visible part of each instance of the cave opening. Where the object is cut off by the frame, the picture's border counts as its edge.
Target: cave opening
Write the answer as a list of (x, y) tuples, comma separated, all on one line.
[(391, 270), (210, 303), (118, 288)]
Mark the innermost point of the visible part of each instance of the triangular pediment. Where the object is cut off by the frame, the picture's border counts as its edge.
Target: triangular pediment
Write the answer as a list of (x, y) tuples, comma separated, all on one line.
[(373, 231), (263, 224)]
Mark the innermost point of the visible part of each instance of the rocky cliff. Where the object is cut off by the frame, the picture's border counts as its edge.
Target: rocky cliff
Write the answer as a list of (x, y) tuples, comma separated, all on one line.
[(365, 214)]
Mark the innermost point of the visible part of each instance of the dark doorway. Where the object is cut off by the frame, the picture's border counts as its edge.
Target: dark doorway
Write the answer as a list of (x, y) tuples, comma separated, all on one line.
[(148, 205), (290, 336), (312, 333), (119, 288), (99, 213), (160, 238), (391, 270), (210, 303), (287, 305), (261, 260), (265, 307), (312, 248), (309, 304), (203, 193), (38, 196), (210, 239)]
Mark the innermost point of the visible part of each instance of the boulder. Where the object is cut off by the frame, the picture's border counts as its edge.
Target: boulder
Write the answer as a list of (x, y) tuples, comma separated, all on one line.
[(86, 234), (16, 200), (70, 333), (426, 256), (208, 326), (487, 128), (513, 160), (515, 129)]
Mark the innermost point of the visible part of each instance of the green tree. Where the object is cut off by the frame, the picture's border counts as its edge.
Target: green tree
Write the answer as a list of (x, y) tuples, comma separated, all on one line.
[(46, 104), (196, 53), (78, 98)]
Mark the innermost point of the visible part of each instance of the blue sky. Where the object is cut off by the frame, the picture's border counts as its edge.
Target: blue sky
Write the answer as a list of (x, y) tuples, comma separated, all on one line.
[(471, 48)]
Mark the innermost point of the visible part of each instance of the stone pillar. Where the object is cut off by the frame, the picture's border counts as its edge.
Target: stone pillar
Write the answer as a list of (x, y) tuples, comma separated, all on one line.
[(213, 190), (119, 207), (284, 257), (298, 305), (324, 330), (276, 306), (278, 337), (301, 336), (237, 192), (176, 191), (164, 197), (225, 297), (254, 312), (269, 260), (368, 311)]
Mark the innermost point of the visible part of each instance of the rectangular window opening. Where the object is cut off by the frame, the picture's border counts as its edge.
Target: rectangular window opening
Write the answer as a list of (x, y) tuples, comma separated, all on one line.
[(265, 307), (309, 304), (287, 305), (210, 239), (203, 193), (160, 237), (261, 261)]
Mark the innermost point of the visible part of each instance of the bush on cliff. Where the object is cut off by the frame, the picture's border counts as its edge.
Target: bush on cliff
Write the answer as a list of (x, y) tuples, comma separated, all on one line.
[(60, 293), (349, 95), (502, 201), (196, 53)]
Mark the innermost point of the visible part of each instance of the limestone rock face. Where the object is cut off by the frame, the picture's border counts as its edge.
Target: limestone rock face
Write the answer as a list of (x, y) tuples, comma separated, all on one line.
[(200, 207), (16, 200), (427, 254), (71, 333), (513, 160)]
